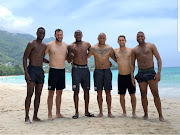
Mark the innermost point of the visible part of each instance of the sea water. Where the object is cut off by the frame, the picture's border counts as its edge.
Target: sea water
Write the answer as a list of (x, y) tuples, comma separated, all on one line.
[(169, 86)]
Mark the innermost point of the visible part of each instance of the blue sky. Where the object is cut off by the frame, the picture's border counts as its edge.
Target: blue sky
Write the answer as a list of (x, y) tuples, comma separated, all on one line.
[(156, 18)]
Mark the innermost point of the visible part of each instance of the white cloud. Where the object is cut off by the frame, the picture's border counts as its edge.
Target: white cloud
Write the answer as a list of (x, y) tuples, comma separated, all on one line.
[(11, 22)]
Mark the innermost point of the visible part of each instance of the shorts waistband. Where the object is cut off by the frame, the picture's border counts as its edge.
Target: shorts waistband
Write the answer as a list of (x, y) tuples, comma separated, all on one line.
[(146, 70), (57, 68), (35, 67), (125, 75), (102, 69), (80, 66)]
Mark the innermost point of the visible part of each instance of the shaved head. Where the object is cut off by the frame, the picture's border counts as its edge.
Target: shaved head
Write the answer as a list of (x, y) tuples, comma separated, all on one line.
[(101, 34)]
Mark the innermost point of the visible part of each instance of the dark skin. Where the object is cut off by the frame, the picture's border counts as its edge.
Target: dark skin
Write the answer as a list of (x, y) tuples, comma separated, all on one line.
[(144, 53), (35, 52), (77, 54)]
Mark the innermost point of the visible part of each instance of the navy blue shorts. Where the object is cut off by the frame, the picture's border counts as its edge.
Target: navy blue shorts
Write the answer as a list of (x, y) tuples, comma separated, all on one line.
[(36, 74), (144, 75), (102, 79)]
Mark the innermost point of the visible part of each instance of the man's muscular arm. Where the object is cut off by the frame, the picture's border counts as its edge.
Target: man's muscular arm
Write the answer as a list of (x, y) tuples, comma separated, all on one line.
[(90, 53), (157, 78), (133, 59), (25, 57), (70, 54), (112, 55)]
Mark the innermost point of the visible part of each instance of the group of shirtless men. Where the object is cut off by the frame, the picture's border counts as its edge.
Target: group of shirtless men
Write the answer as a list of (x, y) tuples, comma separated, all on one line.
[(77, 54)]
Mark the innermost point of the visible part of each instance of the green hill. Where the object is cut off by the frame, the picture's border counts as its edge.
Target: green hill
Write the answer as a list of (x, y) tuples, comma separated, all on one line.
[(12, 46)]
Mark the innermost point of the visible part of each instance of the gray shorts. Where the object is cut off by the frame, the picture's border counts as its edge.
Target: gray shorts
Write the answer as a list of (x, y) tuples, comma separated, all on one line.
[(80, 75)]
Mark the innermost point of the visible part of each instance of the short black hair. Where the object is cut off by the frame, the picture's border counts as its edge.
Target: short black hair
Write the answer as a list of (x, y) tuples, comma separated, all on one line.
[(57, 30), (78, 31), (40, 28), (122, 36)]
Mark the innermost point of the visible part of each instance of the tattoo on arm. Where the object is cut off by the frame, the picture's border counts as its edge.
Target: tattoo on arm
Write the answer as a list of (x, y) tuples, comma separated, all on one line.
[(102, 52)]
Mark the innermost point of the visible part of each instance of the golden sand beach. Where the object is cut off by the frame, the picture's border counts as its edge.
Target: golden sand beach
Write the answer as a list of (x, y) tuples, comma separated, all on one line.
[(12, 115)]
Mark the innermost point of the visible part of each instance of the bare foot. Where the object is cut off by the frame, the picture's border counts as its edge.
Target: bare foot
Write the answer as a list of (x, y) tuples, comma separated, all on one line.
[(59, 116), (99, 115), (145, 117), (161, 119), (27, 121), (110, 115), (50, 118), (36, 119), (123, 115), (135, 116)]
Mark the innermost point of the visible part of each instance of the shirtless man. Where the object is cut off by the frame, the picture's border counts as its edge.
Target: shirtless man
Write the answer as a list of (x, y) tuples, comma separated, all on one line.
[(123, 56), (77, 53), (57, 51), (102, 72), (34, 74), (146, 75)]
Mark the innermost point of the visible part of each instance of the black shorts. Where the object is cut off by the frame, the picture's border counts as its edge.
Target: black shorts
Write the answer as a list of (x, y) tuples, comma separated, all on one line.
[(124, 82), (102, 79), (80, 75), (144, 75), (56, 79), (36, 74)]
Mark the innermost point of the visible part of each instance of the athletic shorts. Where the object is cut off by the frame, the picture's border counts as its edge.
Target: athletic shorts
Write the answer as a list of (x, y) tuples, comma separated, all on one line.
[(102, 79), (144, 75), (124, 82), (80, 75), (56, 79), (36, 74)]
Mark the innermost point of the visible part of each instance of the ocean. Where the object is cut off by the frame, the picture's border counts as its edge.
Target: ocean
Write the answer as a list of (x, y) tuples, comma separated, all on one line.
[(169, 86)]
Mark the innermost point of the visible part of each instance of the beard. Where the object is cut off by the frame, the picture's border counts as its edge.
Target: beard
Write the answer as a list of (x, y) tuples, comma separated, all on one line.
[(58, 39)]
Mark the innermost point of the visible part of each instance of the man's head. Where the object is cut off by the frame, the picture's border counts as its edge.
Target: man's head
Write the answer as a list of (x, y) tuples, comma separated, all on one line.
[(40, 33), (140, 37), (122, 40), (78, 35), (58, 35), (102, 38)]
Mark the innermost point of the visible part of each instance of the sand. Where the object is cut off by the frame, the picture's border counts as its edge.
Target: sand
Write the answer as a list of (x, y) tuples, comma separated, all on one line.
[(12, 115)]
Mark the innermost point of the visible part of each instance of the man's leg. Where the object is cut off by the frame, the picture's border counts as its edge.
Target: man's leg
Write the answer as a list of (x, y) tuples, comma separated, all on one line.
[(50, 103), (154, 89), (133, 103), (76, 101), (108, 100), (38, 90), (58, 103), (100, 101), (86, 99), (143, 89), (30, 90), (122, 102)]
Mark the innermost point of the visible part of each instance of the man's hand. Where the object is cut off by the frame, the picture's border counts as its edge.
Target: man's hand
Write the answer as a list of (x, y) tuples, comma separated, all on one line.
[(133, 81), (27, 78), (157, 77), (110, 63)]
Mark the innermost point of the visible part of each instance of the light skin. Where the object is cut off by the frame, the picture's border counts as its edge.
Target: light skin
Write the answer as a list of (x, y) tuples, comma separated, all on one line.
[(102, 52), (77, 54), (144, 53), (123, 56), (57, 51), (35, 52)]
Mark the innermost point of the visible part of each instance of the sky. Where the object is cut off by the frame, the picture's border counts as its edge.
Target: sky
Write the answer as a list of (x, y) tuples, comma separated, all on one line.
[(158, 19)]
